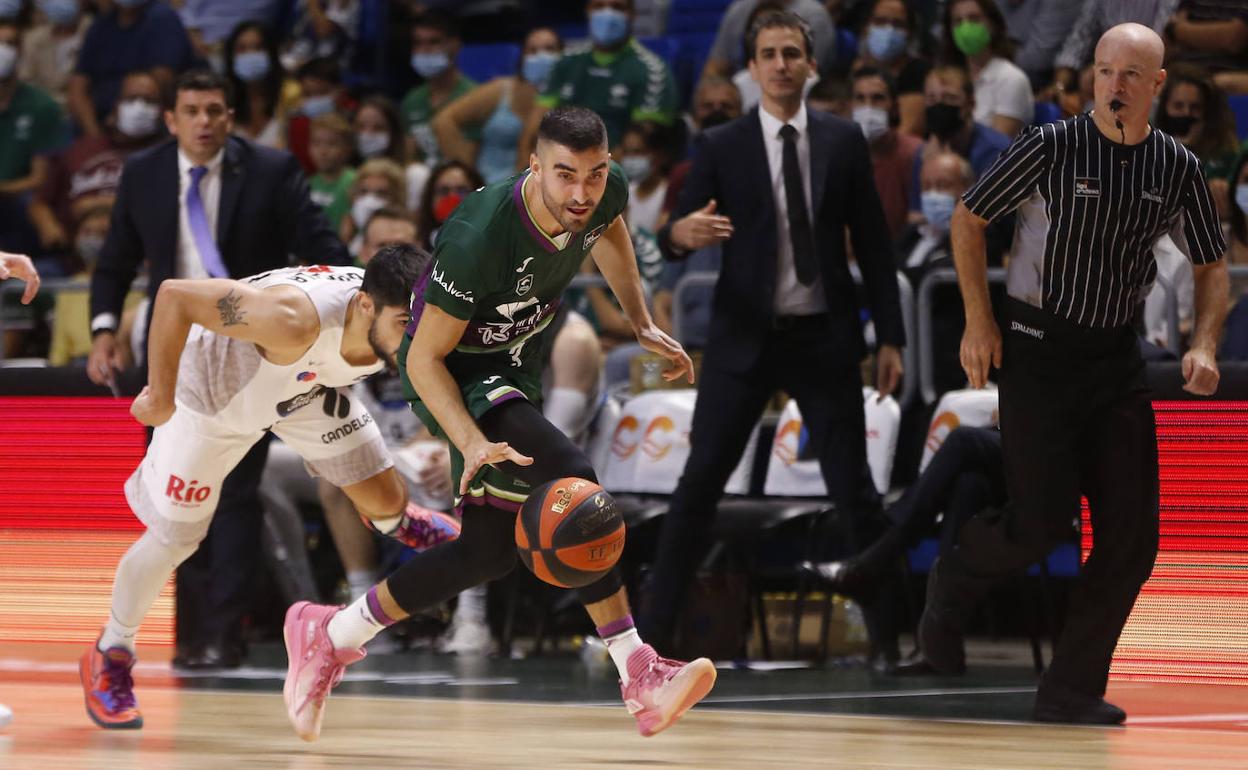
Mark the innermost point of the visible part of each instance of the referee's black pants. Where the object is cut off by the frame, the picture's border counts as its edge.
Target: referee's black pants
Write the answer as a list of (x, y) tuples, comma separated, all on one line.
[(1075, 420)]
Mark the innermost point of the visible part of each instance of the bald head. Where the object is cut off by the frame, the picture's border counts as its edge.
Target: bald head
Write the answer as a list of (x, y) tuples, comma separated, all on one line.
[(1128, 76), (945, 172)]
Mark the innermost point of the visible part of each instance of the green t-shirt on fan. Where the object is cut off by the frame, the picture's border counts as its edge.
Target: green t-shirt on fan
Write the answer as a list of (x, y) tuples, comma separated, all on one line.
[(418, 111), (334, 197)]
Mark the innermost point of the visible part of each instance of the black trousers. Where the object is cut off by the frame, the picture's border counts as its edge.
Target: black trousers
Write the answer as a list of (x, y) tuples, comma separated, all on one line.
[(1075, 420), (214, 586), (815, 367)]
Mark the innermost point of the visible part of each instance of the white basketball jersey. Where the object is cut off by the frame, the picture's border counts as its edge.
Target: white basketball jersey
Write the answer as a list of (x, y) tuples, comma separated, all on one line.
[(229, 380)]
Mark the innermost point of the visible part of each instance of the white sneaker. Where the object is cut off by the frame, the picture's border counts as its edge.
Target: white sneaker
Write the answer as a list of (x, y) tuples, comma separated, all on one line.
[(6, 716), (467, 638)]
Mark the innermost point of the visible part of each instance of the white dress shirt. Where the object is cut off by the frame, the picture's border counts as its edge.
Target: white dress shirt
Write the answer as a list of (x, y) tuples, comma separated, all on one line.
[(190, 265), (792, 297)]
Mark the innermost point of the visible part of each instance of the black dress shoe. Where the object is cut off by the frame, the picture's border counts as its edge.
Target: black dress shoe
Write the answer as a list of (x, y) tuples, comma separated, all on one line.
[(1060, 704), (214, 656)]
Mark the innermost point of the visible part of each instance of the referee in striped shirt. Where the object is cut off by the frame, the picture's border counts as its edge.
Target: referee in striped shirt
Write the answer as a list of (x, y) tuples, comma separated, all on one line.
[(1093, 195)]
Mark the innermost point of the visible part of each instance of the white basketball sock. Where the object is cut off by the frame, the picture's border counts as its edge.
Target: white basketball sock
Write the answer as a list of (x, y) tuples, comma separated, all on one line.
[(565, 409), (620, 647), (471, 606), (141, 574), (356, 624)]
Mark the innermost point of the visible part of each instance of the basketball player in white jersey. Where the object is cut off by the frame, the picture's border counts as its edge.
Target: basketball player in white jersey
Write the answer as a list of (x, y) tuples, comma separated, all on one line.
[(228, 360)]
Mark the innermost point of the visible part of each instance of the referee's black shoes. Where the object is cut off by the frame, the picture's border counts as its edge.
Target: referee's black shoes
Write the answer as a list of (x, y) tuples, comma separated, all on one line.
[(1055, 703), (952, 594)]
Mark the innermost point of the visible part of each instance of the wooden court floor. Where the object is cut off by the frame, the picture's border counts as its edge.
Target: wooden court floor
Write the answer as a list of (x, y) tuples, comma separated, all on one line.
[(427, 711)]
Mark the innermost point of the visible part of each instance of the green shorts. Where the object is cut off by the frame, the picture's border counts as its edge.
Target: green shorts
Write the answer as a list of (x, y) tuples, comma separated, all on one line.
[(489, 486)]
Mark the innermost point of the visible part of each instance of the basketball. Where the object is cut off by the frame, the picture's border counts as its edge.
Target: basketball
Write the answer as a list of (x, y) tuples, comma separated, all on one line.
[(569, 532)]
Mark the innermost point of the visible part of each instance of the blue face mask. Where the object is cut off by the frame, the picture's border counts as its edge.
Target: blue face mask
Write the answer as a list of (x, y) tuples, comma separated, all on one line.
[(938, 209), (315, 106), (607, 27), (430, 65), (885, 42), (1241, 197), (251, 66), (537, 67), (59, 12), (635, 167)]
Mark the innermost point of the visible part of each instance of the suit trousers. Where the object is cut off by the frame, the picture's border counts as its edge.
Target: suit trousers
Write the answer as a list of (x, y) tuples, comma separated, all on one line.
[(1075, 420), (815, 365)]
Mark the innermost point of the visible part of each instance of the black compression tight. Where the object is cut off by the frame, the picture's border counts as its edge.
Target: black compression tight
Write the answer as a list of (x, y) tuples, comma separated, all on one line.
[(486, 548)]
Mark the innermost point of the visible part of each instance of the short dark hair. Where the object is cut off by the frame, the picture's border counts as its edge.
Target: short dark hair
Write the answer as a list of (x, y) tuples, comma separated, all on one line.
[(392, 273), (204, 80), (442, 22), (947, 67), (779, 20), (321, 68), (863, 73), (576, 128)]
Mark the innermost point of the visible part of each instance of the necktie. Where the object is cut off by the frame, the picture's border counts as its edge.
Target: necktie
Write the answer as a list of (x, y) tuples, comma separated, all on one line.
[(800, 234), (205, 244)]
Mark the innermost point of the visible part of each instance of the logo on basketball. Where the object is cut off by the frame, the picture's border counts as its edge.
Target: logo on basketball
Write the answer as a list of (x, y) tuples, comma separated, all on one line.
[(185, 494)]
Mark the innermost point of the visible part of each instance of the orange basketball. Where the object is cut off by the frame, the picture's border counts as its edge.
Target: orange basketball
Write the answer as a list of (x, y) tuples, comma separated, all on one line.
[(570, 532)]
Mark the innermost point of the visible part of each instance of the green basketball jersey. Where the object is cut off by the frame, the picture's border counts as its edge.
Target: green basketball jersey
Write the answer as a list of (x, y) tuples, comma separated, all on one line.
[(495, 268)]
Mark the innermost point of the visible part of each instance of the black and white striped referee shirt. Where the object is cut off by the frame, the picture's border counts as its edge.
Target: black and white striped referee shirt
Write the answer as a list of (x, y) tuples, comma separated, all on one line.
[(1090, 210)]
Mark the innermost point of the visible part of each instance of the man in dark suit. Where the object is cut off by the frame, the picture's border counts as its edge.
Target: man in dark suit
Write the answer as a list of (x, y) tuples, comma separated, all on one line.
[(207, 204), (785, 314)]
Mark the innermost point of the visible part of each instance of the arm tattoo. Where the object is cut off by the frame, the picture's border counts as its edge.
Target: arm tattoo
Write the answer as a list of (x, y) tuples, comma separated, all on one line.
[(231, 314)]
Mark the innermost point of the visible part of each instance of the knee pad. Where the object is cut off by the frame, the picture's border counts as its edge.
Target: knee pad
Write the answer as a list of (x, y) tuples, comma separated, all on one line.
[(606, 587)]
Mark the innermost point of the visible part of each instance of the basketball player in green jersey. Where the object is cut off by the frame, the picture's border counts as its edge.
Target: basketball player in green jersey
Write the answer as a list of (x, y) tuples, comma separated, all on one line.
[(471, 367)]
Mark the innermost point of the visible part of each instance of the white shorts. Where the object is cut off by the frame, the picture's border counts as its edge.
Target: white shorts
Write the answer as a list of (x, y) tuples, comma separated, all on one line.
[(175, 489)]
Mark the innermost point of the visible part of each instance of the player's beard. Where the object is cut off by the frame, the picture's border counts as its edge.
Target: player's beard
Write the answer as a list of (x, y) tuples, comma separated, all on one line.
[(565, 218), (387, 358)]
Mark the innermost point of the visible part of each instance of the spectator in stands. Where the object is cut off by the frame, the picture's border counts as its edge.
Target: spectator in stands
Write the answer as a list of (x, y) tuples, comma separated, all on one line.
[(1212, 34), (330, 146), (966, 475), (326, 30), (1095, 18), (71, 320), (833, 96), (727, 55), (210, 24), (647, 154), (885, 42), (893, 152), (1038, 29), (250, 61), (435, 48), (320, 86), (1072, 91), (87, 173), (379, 134), (498, 110), (715, 102), (387, 225), (1192, 109), (949, 117), (450, 181), (695, 301), (50, 49), (378, 183), (974, 32), (31, 127), (615, 76), (750, 91), (1237, 203), (128, 35)]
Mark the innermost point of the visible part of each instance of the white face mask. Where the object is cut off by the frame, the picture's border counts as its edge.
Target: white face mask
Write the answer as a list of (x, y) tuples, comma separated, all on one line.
[(137, 118), (372, 143), (872, 120), (8, 60), (364, 207)]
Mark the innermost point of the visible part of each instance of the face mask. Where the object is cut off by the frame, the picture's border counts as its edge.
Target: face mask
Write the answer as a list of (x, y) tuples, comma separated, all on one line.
[(445, 205), (8, 60), (315, 106), (60, 12), (885, 42), (872, 120), (430, 65), (608, 27), (88, 246), (716, 118), (137, 118), (538, 66), (1179, 125), (372, 143), (636, 167), (1241, 197), (251, 66), (943, 120), (971, 37), (938, 209), (364, 207)]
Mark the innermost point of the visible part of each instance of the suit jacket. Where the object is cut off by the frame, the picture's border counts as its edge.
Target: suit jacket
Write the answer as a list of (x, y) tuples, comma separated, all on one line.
[(730, 165), (265, 217)]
